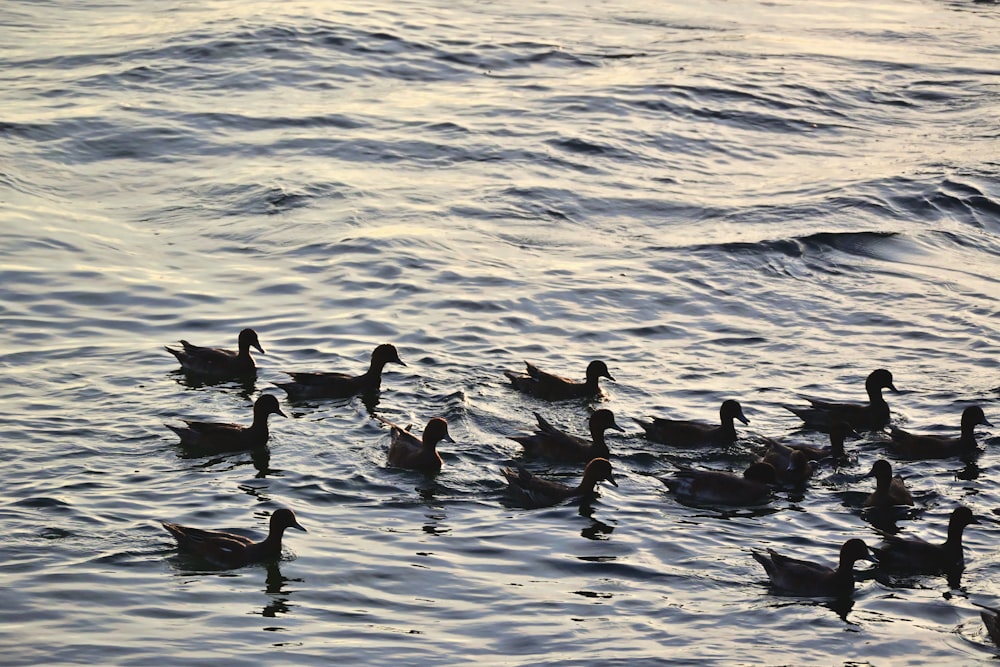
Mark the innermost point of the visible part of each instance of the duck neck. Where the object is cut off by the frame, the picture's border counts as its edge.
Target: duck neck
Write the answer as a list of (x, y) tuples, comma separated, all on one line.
[(837, 446), (600, 448), (968, 437), (259, 424)]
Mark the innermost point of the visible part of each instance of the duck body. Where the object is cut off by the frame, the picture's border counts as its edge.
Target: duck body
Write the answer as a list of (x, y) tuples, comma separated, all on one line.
[(717, 487), (835, 450), (542, 384), (229, 550), (408, 451), (889, 491), (342, 385), (791, 468), (531, 491), (554, 444), (689, 433), (915, 555), (806, 578), (919, 446), (870, 416), (218, 362), (224, 437)]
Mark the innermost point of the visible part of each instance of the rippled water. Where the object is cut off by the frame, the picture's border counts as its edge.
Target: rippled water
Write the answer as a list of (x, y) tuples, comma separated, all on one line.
[(721, 200)]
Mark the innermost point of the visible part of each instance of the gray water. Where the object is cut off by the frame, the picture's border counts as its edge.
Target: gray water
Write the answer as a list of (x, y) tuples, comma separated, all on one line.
[(721, 200)]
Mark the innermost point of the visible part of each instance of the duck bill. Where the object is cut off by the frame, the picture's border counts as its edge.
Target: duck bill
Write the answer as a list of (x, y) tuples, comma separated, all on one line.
[(298, 526), (611, 478), (258, 347)]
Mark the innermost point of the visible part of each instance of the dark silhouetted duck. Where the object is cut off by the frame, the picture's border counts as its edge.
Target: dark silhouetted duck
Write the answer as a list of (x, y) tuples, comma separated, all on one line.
[(216, 362), (229, 550), (553, 387), (682, 433), (914, 446), (792, 468), (717, 487), (835, 450), (529, 490), (342, 385), (889, 490), (869, 416), (801, 577), (408, 451), (551, 443), (918, 556), (221, 437)]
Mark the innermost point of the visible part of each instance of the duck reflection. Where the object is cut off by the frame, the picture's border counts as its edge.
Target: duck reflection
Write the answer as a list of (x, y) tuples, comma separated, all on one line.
[(275, 584), (245, 386)]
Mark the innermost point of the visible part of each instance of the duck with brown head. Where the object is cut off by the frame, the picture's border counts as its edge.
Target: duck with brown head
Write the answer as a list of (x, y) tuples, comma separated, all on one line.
[(408, 451)]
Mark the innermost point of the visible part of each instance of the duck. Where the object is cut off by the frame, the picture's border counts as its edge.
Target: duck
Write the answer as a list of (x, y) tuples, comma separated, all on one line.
[(342, 385), (889, 491), (217, 362), (839, 430), (222, 437), (718, 487), (685, 433), (793, 468), (870, 416), (228, 550), (549, 442), (919, 446), (542, 384), (806, 578), (531, 491), (921, 557), (408, 451)]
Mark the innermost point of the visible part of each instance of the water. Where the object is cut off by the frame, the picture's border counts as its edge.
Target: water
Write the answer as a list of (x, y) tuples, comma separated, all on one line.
[(728, 200)]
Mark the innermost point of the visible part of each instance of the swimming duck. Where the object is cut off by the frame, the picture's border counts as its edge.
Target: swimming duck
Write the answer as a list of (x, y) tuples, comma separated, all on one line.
[(342, 385), (794, 468), (682, 433), (229, 550), (869, 416), (408, 451), (717, 487), (221, 437), (835, 450), (216, 361), (801, 577), (889, 490), (915, 446), (549, 442), (554, 387), (532, 491), (919, 556)]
